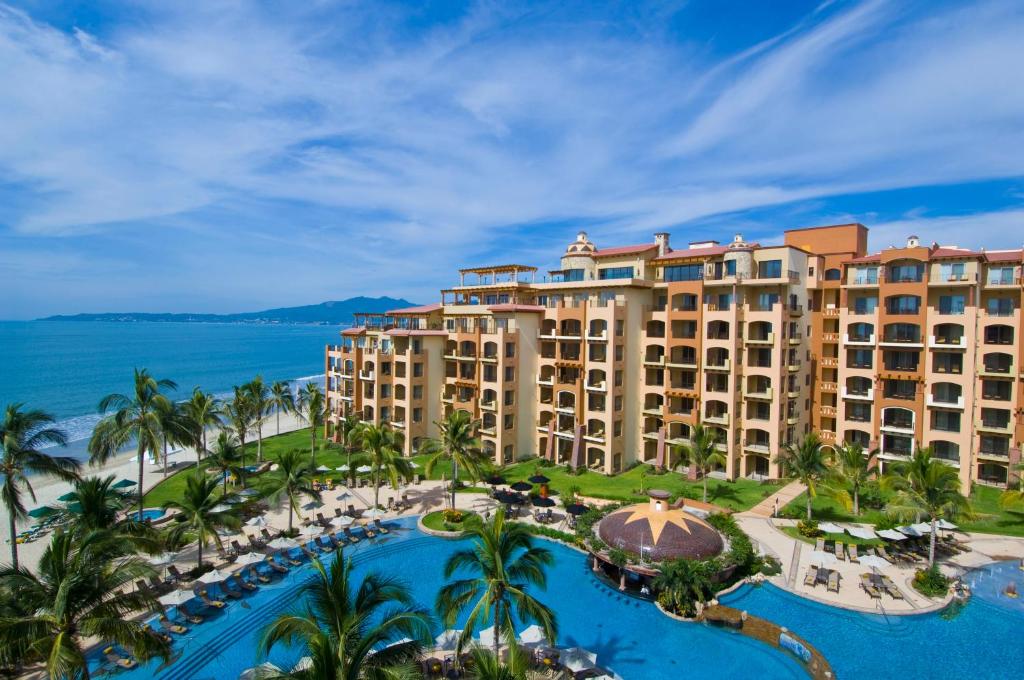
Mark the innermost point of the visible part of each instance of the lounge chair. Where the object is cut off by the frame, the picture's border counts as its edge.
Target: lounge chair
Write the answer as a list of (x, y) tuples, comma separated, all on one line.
[(352, 512), (880, 551), (118, 660), (852, 550), (170, 626), (869, 587), (163, 637), (352, 538), (840, 550), (241, 583), (811, 578), (208, 601), (159, 585), (273, 564), (229, 590), (819, 544), (267, 538), (260, 575), (291, 557), (380, 527), (833, 582), (890, 588), (337, 512), (310, 549), (175, 574), (142, 586), (368, 531), (326, 543), (190, 616), (321, 519)]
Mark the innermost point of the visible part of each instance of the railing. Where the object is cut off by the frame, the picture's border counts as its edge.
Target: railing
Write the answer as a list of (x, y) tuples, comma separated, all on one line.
[(829, 387), (826, 362), (767, 339), (866, 395), (932, 400), (830, 312)]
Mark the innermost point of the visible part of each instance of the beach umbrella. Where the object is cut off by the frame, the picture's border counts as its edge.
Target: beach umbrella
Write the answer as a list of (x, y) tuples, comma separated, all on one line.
[(924, 528), (521, 486), (249, 558), (215, 576), (176, 598), (495, 480), (413, 464), (866, 533), (257, 521), (161, 559), (311, 530), (44, 511), (343, 521), (946, 526), (124, 484), (892, 535), (830, 528), (820, 558), (323, 468), (909, 531), (342, 468), (363, 469), (872, 562), (374, 513), (533, 635), (74, 507), (312, 505), (220, 507), (343, 495), (448, 639), (69, 496), (577, 658), (247, 493), (575, 509), (539, 479), (283, 543), (264, 670), (541, 502), (486, 638)]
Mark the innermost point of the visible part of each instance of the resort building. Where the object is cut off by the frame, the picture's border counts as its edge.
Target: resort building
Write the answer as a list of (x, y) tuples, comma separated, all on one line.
[(612, 358)]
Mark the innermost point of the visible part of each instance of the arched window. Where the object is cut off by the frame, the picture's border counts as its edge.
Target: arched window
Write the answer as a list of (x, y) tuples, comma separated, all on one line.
[(833, 274)]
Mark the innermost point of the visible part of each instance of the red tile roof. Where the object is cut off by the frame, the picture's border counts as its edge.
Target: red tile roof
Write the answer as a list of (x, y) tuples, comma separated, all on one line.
[(1004, 255), (694, 252), (942, 252), (356, 330), (509, 307), (422, 309), (415, 331), (622, 250), (877, 257)]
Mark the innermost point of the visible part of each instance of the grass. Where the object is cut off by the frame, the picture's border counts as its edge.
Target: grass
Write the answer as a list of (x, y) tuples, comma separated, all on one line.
[(435, 520), (989, 517), (843, 537)]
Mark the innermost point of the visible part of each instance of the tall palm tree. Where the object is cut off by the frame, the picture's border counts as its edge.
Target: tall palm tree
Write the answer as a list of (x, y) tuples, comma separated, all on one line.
[(240, 417), (199, 513), (685, 582), (344, 622), (99, 504), (806, 461), (702, 452), (850, 471), (203, 411), (81, 592), (504, 563), (488, 666), (292, 479), (136, 416), (348, 428), (226, 457), (383, 447), (926, 486), (1013, 498), (281, 400), (262, 404), (458, 444), (23, 435), (311, 407), (174, 426)]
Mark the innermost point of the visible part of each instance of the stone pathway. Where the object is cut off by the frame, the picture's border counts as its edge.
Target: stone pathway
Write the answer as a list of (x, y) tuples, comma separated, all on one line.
[(783, 496)]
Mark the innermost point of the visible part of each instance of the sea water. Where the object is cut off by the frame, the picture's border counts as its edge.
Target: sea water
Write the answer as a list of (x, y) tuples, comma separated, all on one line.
[(66, 367)]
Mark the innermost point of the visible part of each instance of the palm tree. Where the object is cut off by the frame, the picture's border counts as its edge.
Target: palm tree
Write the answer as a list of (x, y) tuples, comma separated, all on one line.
[(383, 447), (926, 486), (1013, 498), (348, 428), (240, 416), (174, 426), (199, 513), (684, 582), (226, 457), (22, 436), (310, 406), (806, 462), (262, 404), (487, 666), (99, 504), (505, 563), (281, 400), (457, 444), (343, 623), (292, 479), (80, 593), (702, 452), (851, 470), (203, 410), (136, 416)]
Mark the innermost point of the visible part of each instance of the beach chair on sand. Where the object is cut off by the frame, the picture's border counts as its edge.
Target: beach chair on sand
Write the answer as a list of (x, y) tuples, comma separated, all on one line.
[(267, 538), (812, 576), (869, 587), (880, 551), (175, 574), (833, 582), (337, 512), (237, 547), (852, 550), (819, 544), (321, 520), (890, 588), (118, 660), (840, 550)]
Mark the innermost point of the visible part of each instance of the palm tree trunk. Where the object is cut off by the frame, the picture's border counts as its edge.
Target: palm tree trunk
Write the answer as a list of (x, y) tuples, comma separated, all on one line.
[(931, 546), (291, 511), (165, 456), (142, 466), (200, 453), (200, 553), (808, 505), (704, 474), (279, 421), (259, 443), (455, 478), (856, 503), (497, 615), (241, 471), (376, 486), (312, 443), (14, 537)]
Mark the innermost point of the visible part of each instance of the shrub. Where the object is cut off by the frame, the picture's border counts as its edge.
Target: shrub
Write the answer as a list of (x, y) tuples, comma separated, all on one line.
[(770, 566), (453, 516), (809, 528), (931, 582), (871, 496), (618, 557)]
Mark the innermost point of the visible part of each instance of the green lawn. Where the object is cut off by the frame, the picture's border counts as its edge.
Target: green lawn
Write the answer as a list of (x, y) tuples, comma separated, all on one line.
[(435, 520), (990, 518)]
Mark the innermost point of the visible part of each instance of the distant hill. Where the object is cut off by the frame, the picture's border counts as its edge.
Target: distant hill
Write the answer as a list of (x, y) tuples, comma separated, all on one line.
[(333, 312)]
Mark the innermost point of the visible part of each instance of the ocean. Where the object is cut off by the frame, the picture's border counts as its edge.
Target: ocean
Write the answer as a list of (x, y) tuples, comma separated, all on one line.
[(66, 367)]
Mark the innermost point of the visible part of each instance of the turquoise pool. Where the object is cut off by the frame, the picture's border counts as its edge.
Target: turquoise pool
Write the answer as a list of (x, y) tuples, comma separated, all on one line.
[(629, 636), (979, 640), (150, 514)]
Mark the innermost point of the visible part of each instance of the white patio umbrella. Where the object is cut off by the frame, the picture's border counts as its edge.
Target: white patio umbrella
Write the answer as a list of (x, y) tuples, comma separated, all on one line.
[(413, 464), (342, 468), (924, 528), (257, 521), (264, 670), (486, 638), (249, 492), (892, 535), (577, 658), (283, 544), (363, 469), (220, 507), (311, 530), (448, 639), (374, 513), (343, 521), (533, 635), (323, 468), (909, 531), (249, 558), (161, 559), (946, 526), (215, 576), (820, 558), (873, 562), (176, 598), (861, 532), (830, 528)]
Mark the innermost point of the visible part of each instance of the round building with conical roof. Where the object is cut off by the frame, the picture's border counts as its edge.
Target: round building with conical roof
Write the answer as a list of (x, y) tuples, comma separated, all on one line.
[(657, 532)]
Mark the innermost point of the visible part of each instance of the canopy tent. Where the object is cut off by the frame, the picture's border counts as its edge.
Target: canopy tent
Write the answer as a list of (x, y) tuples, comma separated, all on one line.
[(486, 638), (892, 535), (861, 532)]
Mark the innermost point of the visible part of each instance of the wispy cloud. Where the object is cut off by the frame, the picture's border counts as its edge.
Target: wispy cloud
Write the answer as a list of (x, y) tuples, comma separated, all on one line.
[(372, 147)]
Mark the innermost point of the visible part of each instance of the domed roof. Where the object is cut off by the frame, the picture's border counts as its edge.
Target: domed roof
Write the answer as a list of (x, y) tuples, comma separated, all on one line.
[(659, 532), (581, 246)]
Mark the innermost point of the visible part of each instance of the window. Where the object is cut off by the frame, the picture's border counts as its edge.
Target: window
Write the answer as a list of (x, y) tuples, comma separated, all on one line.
[(900, 389), (944, 362), (833, 274), (510, 349), (901, 361), (509, 397), (1000, 307), (509, 421), (685, 272), (998, 335), (767, 301), (1000, 276), (865, 304), (953, 271), (615, 273), (618, 403), (860, 413), (721, 302), (996, 390), (572, 275), (417, 370), (417, 415), (947, 421), (417, 391), (995, 417), (902, 332), (946, 451), (951, 304), (860, 332), (995, 445), (898, 417), (859, 358), (903, 304), (620, 327), (618, 352), (906, 273), (865, 276), (510, 373), (730, 267), (770, 269)]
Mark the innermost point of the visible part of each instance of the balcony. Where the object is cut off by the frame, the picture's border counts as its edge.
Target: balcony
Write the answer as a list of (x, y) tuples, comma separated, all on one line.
[(932, 401), (687, 362), (488, 405), (546, 381), (489, 431), (828, 362), (868, 340), (993, 371), (898, 428), (366, 375), (600, 337), (828, 337), (901, 342), (596, 387), (793, 420), (946, 342), (763, 394), (595, 437), (758, 447), (830, 312), (794, 364), (994, 455), (1000, 281), (827, 411), (829, 387), (654, 361), (655, 411), (723, 366), (994, 426), (768, 339), (718, 419), (954, 279)]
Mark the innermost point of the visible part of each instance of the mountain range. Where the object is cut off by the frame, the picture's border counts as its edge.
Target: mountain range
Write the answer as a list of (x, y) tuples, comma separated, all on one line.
[(331, 312)]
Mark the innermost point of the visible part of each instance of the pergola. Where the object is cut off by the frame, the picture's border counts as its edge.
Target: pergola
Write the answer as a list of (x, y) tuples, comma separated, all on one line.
[(502, 273)]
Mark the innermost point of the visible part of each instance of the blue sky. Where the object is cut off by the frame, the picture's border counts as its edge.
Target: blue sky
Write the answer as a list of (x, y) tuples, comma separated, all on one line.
[(230, 156)]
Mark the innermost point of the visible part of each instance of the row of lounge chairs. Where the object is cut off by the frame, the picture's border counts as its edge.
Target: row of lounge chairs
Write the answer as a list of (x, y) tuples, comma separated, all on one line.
[(876, 584), (827, 577)]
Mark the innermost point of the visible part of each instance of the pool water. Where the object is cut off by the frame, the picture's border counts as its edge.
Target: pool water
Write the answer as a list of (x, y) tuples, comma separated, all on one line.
[(979, 640), (149, 514), (630, 636)]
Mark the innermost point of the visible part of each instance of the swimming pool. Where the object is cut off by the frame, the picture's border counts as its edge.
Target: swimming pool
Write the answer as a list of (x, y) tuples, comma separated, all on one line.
[(149, 514), (978, 640), (629, 636)]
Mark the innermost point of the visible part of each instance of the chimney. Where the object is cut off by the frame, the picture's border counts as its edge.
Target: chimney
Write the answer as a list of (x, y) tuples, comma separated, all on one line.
[(661, 238), (913, 242)]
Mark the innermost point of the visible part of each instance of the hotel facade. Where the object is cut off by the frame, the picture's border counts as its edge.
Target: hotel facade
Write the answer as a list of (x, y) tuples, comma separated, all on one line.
[(610, 360)]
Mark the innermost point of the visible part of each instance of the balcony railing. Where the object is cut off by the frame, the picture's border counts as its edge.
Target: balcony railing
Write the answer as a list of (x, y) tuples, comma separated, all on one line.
[(944, 402), (766, 339), (865, 395)]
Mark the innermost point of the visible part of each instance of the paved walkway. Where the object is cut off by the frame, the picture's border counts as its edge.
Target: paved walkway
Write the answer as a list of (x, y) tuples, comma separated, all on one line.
[(783, 497)]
